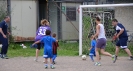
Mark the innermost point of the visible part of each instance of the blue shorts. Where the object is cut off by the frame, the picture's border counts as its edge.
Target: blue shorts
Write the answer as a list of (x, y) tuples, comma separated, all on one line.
[(122, 42), (48, 53), (92, 52)]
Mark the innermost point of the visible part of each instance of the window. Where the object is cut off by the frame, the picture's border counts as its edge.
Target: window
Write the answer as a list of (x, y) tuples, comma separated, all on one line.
[(71, 13)]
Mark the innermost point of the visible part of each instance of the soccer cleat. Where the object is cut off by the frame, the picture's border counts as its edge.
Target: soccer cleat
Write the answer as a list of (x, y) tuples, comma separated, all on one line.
[(114, 58), (52, 67), (97, 64), (46, 66)]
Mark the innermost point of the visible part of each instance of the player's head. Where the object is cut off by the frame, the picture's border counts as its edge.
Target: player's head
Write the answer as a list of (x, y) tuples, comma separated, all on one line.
[(92, 37), (54, 35), (44, 22), (98, 19), (7, 18), (114, 22), (48, 32)]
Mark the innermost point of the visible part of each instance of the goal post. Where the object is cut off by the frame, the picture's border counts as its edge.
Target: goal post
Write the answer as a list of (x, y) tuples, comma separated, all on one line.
[(81, 7)]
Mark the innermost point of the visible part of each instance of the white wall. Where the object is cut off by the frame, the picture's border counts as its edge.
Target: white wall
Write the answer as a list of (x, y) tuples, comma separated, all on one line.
[(68, 30), (125, 16), (24, 17)]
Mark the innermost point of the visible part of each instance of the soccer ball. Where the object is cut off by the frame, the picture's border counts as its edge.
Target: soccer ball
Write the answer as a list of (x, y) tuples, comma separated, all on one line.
[(84, 57)]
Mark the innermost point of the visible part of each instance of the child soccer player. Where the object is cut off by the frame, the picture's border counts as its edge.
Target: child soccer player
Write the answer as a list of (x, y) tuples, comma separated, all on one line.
[(55, 45), (40, 34), (92, 49), (48, 53)]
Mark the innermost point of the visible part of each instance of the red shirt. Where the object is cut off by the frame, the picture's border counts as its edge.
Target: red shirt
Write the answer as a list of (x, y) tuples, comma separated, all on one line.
[(55, 45)]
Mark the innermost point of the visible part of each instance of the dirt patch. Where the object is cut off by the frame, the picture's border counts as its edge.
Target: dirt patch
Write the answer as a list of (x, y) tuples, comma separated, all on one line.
[(65, 64)]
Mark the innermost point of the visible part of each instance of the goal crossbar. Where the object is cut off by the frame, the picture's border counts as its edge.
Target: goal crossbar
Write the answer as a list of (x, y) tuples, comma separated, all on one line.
[(93, 6)]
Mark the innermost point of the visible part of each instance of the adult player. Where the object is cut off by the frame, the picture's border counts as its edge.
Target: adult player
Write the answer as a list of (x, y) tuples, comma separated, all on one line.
[(40, 34), (101, 41), (123, 38), (3, 37)]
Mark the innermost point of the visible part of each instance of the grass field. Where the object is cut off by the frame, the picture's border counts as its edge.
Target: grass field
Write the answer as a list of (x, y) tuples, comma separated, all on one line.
[(65, 49)]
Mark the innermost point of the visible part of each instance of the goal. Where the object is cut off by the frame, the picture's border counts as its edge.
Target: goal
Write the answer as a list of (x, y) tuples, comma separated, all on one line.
[(87, 13)]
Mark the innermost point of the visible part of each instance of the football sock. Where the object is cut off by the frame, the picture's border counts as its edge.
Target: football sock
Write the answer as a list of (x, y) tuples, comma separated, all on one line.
[(91, 56)]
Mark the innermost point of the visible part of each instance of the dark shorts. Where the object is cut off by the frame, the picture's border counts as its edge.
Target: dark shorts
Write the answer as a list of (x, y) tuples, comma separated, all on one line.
[(39, 45), (122, 42), (101, 43)]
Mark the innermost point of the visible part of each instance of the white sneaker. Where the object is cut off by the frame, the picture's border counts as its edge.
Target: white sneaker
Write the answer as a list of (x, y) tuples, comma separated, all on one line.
[(97, 64), (35, 60)]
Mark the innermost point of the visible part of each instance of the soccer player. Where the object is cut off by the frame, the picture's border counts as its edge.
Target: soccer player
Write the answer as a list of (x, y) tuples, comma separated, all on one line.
[(55, 46), (3, 37), (40, 34), (48, 50), (101, 42), (92, 49), (123, 38)]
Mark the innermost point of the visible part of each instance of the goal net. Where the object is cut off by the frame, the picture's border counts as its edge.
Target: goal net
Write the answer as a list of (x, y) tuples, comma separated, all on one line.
[(87, 13)]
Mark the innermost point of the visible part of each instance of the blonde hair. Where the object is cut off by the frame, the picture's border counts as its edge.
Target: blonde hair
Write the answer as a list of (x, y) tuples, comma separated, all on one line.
[(44, 22)]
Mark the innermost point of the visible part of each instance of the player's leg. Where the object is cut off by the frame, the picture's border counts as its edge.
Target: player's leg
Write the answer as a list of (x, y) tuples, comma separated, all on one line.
[(54, 57), (4, 48), (97, 57), (123, 45), (46, 62), (46, 58), (129, 53), (98, 45), (117, 49), (37, 51), (50, 54), (105, 53), (91, 56)]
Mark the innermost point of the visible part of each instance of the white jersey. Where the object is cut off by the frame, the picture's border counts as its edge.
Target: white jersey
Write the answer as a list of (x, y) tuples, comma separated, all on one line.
[(101, 32)]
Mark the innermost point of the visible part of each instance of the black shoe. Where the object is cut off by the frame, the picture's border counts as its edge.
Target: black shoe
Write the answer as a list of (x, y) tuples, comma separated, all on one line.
[(5, 57), (131, 58), (53, 62)]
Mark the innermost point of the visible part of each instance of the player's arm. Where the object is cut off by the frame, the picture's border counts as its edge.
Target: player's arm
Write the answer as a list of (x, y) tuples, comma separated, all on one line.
[(97, 31), (36, 42), (1, 31), (120, 27), (121, 31), (90, 48)]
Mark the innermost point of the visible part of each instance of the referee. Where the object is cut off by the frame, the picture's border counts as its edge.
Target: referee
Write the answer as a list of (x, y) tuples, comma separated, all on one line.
[(3, 37)]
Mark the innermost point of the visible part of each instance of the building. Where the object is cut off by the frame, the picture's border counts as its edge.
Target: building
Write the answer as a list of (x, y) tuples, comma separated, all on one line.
[(62, 15)]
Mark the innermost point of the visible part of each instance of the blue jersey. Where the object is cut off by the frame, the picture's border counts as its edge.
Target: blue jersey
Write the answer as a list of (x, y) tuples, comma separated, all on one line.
[(48, 42), (93, 45), (119, 26), (4, 27)]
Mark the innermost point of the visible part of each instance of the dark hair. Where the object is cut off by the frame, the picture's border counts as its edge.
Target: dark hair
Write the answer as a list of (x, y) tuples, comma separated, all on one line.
[(114, 20), (6, 17), (97, 18), (48, 32), (54, 35)]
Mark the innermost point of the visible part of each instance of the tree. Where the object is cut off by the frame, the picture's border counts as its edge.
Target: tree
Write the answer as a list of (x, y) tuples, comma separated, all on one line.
[(3, 9)]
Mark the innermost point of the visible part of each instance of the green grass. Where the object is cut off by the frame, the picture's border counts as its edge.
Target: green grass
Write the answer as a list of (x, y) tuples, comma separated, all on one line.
[(65, 49)]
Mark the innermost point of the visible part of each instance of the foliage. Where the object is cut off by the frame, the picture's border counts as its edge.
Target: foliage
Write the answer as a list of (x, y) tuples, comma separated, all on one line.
[(3, 10)]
